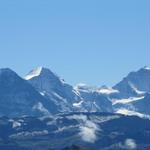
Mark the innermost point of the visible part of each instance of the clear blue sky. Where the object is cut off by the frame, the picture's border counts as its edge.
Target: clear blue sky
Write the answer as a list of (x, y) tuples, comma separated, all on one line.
[(93, 41)]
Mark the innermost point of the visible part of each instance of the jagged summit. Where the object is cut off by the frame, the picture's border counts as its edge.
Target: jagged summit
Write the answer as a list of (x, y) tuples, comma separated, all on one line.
[(39, 71), (35, 72), (44, 74)]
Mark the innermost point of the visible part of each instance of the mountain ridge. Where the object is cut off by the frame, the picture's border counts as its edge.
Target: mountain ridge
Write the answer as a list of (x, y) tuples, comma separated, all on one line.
[(55, 96)]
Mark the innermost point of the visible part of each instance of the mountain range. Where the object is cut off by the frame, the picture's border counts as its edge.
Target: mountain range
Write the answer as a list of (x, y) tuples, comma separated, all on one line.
[(43, 112), (41, 92)]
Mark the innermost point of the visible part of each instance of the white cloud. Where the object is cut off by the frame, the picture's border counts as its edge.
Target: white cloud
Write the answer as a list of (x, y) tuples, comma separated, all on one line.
[(88, 132), (88, 129), (130, 144)]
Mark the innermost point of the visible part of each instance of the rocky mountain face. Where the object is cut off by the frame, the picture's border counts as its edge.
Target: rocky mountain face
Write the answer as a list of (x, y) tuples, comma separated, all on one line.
[(65, 96), (49, 85), (18, 97), (135, 84), (93, 100), (133, 97)]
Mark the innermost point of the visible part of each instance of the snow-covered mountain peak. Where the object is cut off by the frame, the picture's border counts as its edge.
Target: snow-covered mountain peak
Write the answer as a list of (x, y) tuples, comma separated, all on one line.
[(44, 73), (34, 73)]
